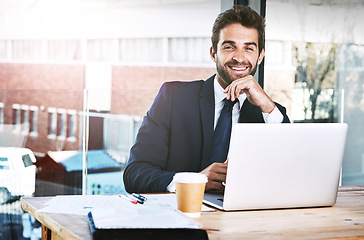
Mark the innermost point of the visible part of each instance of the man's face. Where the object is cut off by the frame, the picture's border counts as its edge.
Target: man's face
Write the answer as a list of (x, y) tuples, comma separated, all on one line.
[(237, 53)]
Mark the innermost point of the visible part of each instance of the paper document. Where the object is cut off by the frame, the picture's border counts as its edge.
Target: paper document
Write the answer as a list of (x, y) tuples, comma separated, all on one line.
[(83, 204), (142, 216), (79, 204), (170, 201)]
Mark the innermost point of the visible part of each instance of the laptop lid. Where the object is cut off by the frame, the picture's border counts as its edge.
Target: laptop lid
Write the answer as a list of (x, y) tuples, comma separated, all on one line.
[(282, 166)]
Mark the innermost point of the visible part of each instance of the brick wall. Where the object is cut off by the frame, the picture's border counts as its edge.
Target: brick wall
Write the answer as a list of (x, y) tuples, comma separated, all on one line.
[(134, 88), (44, 86)]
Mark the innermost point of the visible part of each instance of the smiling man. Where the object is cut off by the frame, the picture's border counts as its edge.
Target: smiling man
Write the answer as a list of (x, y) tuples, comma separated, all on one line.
[(188, 126)]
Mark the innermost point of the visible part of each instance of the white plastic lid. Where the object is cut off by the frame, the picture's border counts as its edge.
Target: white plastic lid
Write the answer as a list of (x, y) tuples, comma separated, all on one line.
[(190, 177)]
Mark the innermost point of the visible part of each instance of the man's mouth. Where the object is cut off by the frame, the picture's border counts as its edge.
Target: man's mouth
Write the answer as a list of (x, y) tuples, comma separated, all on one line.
[(238, 68)]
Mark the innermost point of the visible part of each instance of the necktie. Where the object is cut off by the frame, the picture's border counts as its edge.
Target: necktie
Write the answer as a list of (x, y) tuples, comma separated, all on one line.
[(221, 137)]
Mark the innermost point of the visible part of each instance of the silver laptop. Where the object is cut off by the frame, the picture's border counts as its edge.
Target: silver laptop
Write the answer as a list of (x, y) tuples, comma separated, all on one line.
[(274, 166)]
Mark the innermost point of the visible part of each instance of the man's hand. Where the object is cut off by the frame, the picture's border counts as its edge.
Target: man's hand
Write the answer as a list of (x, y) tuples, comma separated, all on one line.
[(254, 93), (216, 174)]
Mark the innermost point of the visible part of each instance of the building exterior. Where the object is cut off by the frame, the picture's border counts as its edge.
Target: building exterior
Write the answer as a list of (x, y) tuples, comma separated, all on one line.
[(50, 75)]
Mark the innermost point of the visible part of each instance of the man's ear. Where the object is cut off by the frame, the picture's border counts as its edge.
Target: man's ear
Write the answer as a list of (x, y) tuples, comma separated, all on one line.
[(212, 54), (261, 56)]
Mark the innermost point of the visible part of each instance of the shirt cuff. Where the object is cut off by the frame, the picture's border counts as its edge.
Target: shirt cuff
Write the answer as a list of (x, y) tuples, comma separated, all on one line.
[(274, 117), (171, 186)]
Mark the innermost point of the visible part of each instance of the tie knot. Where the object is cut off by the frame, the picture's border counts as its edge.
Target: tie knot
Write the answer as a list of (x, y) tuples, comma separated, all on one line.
[(229, 104)]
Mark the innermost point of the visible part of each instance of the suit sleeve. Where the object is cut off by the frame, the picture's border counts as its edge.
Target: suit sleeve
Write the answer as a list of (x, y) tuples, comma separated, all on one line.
[(148, 157), (250, 113), (284, 112)]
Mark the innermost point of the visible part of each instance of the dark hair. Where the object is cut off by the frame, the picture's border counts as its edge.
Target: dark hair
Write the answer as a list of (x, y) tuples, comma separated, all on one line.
[(239, 14)]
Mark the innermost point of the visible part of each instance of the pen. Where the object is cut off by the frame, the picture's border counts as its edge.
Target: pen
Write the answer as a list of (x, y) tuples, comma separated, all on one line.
[(128, 199), (134, 198), (140, 197)]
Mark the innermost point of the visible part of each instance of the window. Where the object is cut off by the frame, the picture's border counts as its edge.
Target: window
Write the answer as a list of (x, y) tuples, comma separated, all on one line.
[(322, 81), (21, 121), (141, 50), (163, 50), (33, 121), (24, 118), (61, 123), (1, 113), (102, 50), (131, 50), (3, 49), (27, 161), (26, 49), (72, 125), (16, 117), (64, 49), (278, 53), (189, 50), (52, 122), (4, 163), (124, 38)]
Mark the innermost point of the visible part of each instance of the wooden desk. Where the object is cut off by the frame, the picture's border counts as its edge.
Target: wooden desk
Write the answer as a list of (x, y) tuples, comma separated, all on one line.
[(345, 220)]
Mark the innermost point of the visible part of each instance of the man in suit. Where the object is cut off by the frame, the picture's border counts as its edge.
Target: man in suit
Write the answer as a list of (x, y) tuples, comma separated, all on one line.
[(177, 133)]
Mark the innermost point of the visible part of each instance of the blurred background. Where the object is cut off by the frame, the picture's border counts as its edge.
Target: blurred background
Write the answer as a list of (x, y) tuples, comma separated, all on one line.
[(77, 77)]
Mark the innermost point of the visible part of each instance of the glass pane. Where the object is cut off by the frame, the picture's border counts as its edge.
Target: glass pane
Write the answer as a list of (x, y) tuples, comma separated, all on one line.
[(189, 50), (64, 49), (140, 50), (314, 67), (101, 49), (4, 163), (53, 176), (75, 93), (27, 160), (26, 49), (3, 47)]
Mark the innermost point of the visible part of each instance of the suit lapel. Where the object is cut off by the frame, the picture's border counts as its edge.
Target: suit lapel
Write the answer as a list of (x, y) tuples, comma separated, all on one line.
[(207, 111)]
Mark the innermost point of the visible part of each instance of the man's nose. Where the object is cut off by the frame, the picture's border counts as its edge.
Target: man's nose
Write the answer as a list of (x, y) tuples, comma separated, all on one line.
[(239, 56)]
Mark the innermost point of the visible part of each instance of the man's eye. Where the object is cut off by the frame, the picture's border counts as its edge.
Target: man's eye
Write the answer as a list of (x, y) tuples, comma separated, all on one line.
[(250, 49)]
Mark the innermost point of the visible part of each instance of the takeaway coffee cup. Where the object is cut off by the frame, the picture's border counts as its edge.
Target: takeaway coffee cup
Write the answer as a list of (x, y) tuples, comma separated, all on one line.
[(190, 188)]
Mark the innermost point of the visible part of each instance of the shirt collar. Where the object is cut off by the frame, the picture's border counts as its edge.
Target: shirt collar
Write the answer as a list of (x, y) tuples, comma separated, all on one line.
[(220, 95)]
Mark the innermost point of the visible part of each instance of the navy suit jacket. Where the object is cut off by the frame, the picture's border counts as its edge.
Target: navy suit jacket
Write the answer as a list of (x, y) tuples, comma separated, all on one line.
[(176, 135)]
